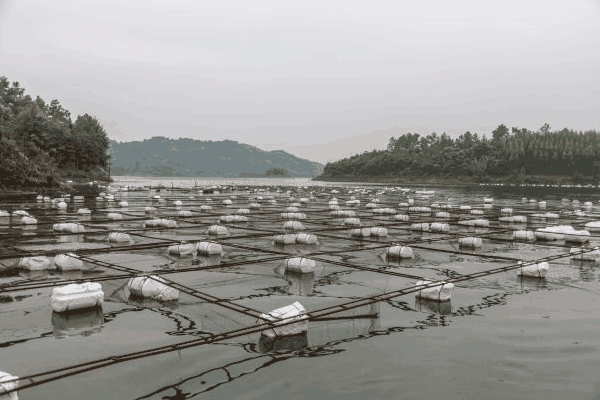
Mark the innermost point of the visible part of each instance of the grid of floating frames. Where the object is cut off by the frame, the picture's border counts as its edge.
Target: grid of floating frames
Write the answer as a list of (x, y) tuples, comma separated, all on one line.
[(301, 233)]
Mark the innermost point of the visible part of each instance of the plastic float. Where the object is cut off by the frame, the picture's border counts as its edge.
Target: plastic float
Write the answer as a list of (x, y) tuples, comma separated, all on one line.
[(488, 200), (83, 211), (242, 211), (299, 265), (538, 270), (293, 312), (360, 233), (61, 205), (209, 249), (227, 202), (477, 212), (379, 232), (68, 227), (293, 226), (184, 214), (183, 249), (401, 217), (470, 242), (6, 386), (423, 227), (583, 254), (114, 217), (36, 263), (119, 237), (77, 296), (593, 226), (399, 252), (526, 236), (441, 292), (293, 216), (352, 221), (68, 262), (443, 215), (177, 203), (123, 204), (205, 208), (439, 227), (217, 230), (305, 238), (562, 232), (506, 211), (28, 221), (152, 287)]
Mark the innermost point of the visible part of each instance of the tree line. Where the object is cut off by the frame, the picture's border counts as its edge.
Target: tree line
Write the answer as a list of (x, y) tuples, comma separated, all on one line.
[(517, 155), (41, 145)]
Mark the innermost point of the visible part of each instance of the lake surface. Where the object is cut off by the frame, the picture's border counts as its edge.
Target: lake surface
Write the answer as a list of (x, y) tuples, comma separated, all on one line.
[(500, 337)]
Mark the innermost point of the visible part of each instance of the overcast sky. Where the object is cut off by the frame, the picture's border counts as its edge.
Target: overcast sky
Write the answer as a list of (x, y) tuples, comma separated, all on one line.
[(305, 76)]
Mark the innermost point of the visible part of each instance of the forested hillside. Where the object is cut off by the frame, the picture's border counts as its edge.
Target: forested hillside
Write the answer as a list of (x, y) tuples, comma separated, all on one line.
[(161, 156), (40, 145), (518, 155)]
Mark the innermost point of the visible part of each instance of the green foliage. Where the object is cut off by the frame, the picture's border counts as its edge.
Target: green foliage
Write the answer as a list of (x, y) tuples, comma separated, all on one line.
[(277, 172), (40, 145), (519, 157)]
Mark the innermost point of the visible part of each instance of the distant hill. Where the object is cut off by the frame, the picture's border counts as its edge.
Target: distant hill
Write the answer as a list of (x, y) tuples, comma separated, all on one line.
[(160, 156)]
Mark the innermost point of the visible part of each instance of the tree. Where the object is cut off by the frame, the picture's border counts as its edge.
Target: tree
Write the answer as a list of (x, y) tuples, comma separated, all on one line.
[(499, 133)]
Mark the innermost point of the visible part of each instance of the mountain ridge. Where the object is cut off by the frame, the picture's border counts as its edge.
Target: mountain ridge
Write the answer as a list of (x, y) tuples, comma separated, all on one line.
[(161, 156)]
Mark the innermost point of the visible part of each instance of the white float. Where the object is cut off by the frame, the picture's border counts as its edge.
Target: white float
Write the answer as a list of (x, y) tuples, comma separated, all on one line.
[(182, 249), (440, 292), (119, 237), (424, 227), (379, 232), (439, 227), (537, 270), (152, 287), (209, 249), (470, 242), (293, 312), (299, 265), (399, 252), (217, 230), (77, 296), (527, 236), (6, 386), (36, 263), (68, 262)]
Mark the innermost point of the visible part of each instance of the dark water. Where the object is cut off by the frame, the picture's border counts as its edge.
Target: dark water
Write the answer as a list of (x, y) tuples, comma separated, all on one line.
[(500, 337)]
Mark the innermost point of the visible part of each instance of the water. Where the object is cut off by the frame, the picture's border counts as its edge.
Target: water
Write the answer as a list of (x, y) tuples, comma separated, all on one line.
[(500, 337)]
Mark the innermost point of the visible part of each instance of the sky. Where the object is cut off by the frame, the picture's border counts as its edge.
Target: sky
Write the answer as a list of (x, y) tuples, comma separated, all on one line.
[(320, 79)]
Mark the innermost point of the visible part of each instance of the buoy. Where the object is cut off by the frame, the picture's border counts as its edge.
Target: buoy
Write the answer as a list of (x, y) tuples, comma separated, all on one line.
[(68, 262), (209, 249), (352, 221), (285, 239), (183, 249), (69, 227), (424, 227), (439, 227), (379, 232), (440, 292), (36, 263), (299, 265), (527, 236), (293, 312), (152, 287), (114, 217), (119, 237), (77, 296), (538, 270), (399, 252), (360, 233), (470, 242), (305, 238), (583, 254), (217, 230), (7, 386)]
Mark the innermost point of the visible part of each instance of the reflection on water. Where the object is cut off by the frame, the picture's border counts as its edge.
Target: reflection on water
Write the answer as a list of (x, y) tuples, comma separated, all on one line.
[(83, 323), (283, 343), (300, 284), (527, 284), (438, 307)]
